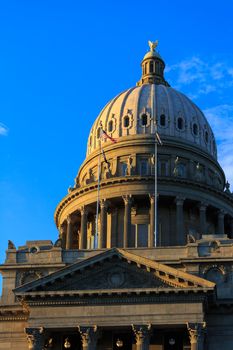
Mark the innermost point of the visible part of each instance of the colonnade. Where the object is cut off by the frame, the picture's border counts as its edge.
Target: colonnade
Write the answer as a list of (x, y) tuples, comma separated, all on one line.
[(38, 339), (66, 230)]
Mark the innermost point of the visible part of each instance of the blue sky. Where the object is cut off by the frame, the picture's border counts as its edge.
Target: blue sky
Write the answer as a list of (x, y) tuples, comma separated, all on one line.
[(61, 61)]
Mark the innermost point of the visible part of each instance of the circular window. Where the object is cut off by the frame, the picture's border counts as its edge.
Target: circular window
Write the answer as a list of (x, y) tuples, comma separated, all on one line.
[(110, 126), (144, 119), (180, 123), (195, 129), (126, 121), (206, 137), (162, 120)]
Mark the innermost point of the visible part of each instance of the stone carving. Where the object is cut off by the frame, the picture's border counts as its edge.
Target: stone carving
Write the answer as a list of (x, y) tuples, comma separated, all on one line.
[(89, 336), (122, 275), (35, 338), (153, 45), (227, 187), (142, 335), (198, 172), (179, 168), (28, 276), (196, 333), (11, 245)]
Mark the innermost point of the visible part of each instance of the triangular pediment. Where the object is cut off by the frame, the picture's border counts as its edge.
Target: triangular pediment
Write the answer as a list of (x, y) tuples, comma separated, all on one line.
[(115, 270)]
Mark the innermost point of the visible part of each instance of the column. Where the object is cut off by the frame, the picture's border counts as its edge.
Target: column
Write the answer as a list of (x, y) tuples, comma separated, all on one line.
[(62, 235), (83, 229), (221, 215), (180, 240), (152, 221), (202, 215), (197, 335), (103, 224), (35, 338), (69, 232), (142, 336), (89, 337), (127, 219)]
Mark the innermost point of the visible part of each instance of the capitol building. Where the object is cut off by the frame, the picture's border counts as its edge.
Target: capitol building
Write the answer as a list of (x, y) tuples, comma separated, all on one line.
[(144, 255)]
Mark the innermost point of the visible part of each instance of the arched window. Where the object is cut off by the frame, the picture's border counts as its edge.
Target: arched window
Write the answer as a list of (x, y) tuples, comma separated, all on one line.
[(110, 126), (162, 120), (206, 137), (126, 121), (144, 119), (195, 129), (180, 123)]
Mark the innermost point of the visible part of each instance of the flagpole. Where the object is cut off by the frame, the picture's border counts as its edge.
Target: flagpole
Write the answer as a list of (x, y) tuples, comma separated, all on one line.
[(98, 199), (153, 115)]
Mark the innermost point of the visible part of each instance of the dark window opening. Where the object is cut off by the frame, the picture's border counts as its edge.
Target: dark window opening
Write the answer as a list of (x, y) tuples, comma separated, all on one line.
[(98, 133), (180, 123), (206, 137), (126, 122), (151, 67), (90, 140), (143, 170), (144, 119), (162, 120), (110, 126), (195, 129)]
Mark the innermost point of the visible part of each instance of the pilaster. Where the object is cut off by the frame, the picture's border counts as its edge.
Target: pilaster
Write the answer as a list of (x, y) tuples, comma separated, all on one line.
[(127, 219)]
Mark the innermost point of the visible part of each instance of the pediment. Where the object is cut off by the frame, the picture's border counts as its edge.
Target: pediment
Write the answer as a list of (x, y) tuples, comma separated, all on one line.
[(115, 270)]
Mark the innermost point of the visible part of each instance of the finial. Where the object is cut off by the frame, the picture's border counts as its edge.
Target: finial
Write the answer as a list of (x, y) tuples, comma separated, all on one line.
[(153, 45)]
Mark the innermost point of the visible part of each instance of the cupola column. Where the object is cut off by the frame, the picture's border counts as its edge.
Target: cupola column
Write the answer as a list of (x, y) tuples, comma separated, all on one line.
[(83, 231), (142, 336), (103, 224), (197, 335), (62, 235), (35, 338), (180, 239), (221, 215), (89, 337), (127, 219), (69, 232), (202, 215), (152, 221)]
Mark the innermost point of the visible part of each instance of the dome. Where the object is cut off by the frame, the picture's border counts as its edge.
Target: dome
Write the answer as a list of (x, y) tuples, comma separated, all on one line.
[(178, 118)]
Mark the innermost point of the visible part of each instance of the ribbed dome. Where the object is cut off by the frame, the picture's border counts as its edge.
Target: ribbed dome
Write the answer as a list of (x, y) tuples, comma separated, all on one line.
[(177, 117)]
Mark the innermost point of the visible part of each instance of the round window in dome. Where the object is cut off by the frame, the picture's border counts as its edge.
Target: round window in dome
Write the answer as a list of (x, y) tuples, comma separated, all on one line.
[(144, 119), (162, 120), (195, 129), (110, 126), (126, 121), (206, 137), (180, 123)]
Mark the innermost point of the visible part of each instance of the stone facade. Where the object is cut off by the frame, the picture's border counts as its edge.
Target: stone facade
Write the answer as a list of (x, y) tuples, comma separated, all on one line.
[(136, 269)]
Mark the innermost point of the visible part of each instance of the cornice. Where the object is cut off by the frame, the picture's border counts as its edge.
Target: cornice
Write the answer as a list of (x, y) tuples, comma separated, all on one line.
[(139, 179)]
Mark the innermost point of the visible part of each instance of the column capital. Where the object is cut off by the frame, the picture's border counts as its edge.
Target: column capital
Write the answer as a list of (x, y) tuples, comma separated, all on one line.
[(196, 331), (83, 210), (142, 333), (179, 200), (34, 337), (202, 205), (103, 203), (69, 219), (152, 197), (89, 336), (127, 199)]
